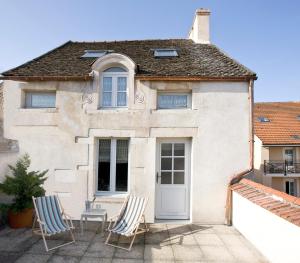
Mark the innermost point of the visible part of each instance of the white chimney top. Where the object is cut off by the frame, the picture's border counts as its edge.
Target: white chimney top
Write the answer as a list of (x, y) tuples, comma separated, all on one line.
[(199, 32)]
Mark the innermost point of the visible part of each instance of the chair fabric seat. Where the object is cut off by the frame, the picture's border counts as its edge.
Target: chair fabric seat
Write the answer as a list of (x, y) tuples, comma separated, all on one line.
[(50, 214), (128, 221)]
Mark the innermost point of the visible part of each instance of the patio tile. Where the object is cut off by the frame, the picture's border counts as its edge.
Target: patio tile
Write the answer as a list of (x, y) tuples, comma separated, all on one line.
[(137, 252), (186, 239), (186, 253), (217, 253), (158, 238), (119, 260), (201, 229), (178, 229), (95, 260), (208, 239), (86, 236), (224, 229), (76, 249), (243, 254), (99, 250), (39, 247), (157, 252), (8, 257), (139, 239), (20, 243), (33, 258), (63, 259)]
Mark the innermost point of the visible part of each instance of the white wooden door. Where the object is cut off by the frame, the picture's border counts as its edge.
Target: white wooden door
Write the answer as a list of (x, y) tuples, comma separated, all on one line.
[(172, 179)]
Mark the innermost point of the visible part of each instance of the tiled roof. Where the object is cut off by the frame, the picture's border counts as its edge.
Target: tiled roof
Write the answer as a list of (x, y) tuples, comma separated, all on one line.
[(283, 125), (278, 203), (195, 60)]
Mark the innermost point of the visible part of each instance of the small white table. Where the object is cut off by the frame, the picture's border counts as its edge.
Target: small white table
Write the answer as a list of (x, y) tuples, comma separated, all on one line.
[(94, 213)]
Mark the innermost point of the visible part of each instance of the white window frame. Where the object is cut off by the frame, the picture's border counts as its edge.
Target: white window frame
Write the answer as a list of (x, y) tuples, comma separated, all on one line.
[(290, 181), (114, 76), (28, 102), (189, 99), (113, 163)]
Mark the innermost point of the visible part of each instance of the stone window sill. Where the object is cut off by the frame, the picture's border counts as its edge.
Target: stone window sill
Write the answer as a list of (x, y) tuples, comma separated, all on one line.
[(41, 110)]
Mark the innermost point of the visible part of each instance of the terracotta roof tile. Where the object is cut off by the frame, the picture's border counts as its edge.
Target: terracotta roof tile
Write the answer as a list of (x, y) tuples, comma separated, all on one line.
[(194, 60), (283, 124), (279, 203)]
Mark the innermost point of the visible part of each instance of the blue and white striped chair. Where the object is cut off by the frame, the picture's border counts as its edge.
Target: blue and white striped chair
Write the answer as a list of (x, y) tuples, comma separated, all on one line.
[(51, 218), (127, 223)]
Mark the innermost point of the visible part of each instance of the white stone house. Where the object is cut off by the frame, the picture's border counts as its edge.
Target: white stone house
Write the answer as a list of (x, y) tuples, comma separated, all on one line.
[(168, 119)]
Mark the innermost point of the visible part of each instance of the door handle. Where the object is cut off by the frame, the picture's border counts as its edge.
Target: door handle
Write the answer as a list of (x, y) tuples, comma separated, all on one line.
[(157, 176)]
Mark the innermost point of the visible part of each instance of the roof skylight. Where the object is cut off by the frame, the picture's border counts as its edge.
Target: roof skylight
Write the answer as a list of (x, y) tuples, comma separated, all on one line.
[(165, 53), (95, 53), (298, 117), (263, 119)]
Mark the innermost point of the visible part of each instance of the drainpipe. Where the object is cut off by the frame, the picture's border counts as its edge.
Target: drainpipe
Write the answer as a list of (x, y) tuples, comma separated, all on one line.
[(236, 178)]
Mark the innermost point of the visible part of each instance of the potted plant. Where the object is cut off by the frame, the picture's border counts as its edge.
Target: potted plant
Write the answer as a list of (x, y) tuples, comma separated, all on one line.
[(22, 185)]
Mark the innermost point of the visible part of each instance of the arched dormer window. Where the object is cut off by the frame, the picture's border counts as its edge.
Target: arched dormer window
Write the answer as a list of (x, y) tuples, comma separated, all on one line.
[(114, 87)]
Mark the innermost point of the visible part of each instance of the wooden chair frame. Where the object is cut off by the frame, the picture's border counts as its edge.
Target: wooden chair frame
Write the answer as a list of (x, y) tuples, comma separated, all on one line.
[(42, 231), (137, 228)]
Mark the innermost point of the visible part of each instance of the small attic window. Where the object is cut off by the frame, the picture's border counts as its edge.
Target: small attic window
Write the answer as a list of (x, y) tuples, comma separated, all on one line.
[(263, 119), (165, 53), (296, 137), (298, 117), (94, 53)]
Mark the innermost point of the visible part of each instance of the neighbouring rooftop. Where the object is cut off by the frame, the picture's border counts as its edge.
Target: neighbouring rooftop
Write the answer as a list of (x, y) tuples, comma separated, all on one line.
[(164, 243), (277, 123), (278, 203), (72, 61)]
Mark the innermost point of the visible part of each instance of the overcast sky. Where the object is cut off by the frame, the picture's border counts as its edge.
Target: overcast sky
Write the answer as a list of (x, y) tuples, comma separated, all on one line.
[(262, 35)]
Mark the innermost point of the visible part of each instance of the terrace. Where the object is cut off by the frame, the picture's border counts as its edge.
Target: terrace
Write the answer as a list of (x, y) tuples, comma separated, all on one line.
[(164, 243)]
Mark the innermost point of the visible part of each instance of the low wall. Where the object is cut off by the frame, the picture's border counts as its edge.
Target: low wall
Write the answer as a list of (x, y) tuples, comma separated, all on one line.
[(277, 239)]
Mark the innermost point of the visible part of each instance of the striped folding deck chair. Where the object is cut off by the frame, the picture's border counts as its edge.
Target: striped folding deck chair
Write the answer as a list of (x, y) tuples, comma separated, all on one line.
[(51, 218), (127, 222)]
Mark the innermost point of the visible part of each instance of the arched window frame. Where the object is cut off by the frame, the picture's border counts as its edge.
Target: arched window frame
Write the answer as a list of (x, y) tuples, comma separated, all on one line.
[(115, 89), (114, 60)]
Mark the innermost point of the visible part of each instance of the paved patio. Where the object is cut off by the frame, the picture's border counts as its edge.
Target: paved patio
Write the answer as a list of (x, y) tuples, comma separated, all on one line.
[(164, 243)]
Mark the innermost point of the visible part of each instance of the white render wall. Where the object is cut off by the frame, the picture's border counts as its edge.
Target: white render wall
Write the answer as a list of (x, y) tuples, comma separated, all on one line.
[(64, 140), (277, 239)]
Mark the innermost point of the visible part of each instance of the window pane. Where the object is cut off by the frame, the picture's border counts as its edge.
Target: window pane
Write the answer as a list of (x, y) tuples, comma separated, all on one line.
[(292, 190), (106, 100), (166, 149), (172, 101), (107, 84), (166, 163), (122, 83), (166, 177), (178, 177), (40, 100), (121, 99), (178, 163), (179, 149), (122, 165), (104, 165)]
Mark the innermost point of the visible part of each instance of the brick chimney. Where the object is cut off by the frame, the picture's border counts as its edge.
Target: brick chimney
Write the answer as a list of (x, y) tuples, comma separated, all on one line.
[(200, 29)]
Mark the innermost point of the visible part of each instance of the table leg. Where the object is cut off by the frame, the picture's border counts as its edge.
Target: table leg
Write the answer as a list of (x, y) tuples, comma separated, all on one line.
[(81, 225)]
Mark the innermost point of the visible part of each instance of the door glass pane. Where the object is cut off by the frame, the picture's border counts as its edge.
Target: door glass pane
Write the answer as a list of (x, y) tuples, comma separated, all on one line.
[(289, 156), (122, 165), (178, 163), (166, 163), (166, 177), (104, 166), (166, 149), (179, 149), (178, 177)]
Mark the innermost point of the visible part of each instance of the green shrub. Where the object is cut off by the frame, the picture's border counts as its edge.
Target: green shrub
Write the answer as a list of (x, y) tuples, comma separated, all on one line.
[(23, 184)]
